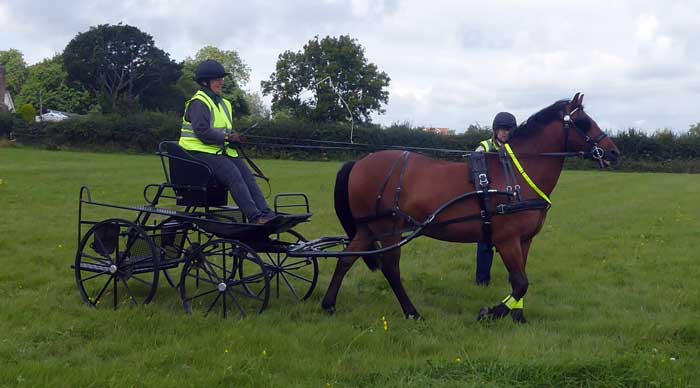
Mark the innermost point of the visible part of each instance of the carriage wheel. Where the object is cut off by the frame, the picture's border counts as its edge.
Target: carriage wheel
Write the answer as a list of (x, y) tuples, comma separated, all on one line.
[(212, 282), (116, 264), (290, 276), (173, 240)]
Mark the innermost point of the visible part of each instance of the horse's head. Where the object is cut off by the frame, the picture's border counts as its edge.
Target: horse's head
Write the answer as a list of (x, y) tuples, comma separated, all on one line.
[(582, 134)]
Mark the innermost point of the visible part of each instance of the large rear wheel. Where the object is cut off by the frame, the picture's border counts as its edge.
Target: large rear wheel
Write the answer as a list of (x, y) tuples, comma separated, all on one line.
[(116, 264)]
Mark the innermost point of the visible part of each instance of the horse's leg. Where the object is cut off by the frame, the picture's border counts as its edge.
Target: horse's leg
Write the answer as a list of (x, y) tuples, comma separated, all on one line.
[(392, 273), (517, 313), (512, 254), (359, 243)]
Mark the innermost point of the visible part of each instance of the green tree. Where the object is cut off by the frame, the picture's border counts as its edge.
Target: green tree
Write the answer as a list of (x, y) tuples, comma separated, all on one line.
[(230, 59), (257, 106), (121, 65), (15, 70), (314, 82), (232, 91), (28, 113), (694, 130), (49, 78)]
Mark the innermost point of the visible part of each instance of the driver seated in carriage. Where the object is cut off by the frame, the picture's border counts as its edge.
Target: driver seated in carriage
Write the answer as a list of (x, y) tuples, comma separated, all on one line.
[(206, 131)]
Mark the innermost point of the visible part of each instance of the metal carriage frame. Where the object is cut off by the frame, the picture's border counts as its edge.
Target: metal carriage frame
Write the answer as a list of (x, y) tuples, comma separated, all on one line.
[(229, 266)]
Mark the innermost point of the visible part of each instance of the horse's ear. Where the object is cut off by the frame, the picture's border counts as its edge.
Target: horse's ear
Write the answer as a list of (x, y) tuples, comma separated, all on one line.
[(575, 101), (580, 100)]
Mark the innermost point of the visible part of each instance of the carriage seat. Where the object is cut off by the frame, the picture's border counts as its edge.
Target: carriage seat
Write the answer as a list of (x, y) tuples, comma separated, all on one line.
[(192, 180)]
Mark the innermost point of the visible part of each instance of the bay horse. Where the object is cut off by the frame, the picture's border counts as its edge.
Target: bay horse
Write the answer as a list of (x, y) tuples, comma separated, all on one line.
[(375, 200)]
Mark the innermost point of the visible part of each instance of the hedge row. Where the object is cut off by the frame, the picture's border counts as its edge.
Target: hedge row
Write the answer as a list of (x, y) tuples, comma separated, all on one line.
[(661, 151)]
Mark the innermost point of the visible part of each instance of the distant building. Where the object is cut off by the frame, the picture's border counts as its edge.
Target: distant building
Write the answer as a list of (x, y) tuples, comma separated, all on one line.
[(5, 97), (439, 131), (8, 101)]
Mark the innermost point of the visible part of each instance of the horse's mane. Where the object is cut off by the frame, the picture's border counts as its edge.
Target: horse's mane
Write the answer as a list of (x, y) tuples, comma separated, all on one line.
[(540, 119)]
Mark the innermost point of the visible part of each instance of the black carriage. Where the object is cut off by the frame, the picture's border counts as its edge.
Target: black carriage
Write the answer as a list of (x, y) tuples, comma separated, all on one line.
[(227, 265)]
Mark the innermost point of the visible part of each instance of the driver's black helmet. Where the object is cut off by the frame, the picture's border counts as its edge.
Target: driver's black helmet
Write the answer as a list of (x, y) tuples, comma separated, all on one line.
[(208, 70), (504, 120)]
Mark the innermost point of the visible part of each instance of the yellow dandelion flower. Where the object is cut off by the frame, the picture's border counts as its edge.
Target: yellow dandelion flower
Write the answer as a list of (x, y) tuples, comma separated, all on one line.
[(386, 324), (458, 360), (264, 353)]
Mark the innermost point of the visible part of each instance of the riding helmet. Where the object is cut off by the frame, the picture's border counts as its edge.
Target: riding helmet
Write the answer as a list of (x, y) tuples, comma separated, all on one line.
[(208, 70), (504, 120)]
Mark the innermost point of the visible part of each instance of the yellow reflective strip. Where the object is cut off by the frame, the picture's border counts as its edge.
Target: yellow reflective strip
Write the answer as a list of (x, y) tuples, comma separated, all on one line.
[(511, 303), (525, 176)]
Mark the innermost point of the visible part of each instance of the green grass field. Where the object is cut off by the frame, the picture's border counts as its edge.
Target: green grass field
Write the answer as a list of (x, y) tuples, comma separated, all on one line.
[(614, 298)]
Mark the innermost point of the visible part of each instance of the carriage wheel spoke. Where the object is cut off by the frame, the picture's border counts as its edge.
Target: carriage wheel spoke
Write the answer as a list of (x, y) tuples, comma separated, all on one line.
[(222, 268), (98, 260), (99, 295), (141, 280), (296, 265), (248, 295), (211, 273), (223, 305), (94, 276), (201, 278), (240, 308), (213, 304), (128, 292), (201, 295), (297, 276), (115, 293), (291, 288)]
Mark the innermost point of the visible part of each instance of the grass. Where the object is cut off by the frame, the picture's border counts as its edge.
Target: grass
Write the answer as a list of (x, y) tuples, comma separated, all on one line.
[(613, 302)]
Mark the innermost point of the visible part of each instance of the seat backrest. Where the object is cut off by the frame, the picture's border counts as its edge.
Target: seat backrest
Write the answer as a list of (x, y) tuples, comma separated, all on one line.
[(191, 178)]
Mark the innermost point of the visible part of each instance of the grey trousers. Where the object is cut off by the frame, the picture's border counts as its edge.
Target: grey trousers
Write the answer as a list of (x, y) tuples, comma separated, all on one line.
[(234, 174)]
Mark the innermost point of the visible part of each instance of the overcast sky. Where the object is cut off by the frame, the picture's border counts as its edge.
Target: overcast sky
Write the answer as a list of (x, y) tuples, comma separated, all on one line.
[(452, 63)]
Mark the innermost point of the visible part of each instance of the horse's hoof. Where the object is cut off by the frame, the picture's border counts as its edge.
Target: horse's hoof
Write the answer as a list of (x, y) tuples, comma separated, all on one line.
[(329, 309), (483, 314), (415, 316), (499, 311), (518, 316)]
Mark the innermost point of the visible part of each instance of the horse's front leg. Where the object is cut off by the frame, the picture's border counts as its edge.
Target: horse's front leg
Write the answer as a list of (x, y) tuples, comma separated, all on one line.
[(512, 252), (359, 243), (392, 273)]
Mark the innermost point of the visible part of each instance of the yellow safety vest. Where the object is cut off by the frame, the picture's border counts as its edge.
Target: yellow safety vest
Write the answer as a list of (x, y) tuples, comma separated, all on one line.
[(489, 145), (221, 120)]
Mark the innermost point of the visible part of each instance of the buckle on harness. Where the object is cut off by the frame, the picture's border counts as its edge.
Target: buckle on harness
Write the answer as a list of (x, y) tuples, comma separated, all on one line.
[(483, 180)]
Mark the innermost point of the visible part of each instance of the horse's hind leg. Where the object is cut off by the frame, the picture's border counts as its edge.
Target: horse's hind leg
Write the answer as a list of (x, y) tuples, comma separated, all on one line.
[(359, 243), (392, 273), (512, 255)]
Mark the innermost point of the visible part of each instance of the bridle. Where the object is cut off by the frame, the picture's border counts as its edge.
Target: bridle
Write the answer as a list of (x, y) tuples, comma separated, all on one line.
[(595, 152)]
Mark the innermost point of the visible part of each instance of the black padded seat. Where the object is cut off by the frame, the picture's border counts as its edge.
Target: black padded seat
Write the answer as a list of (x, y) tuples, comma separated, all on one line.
[(191, 178)]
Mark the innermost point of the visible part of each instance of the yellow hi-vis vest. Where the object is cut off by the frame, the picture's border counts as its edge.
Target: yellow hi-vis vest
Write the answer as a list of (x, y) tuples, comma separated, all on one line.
[(221, 121), (489, 145)]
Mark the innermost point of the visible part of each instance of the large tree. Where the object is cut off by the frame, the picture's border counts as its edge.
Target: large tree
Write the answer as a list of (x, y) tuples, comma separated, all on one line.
[(120, 63), (49, 79), (314, 82), (232, 62), (15, 70)]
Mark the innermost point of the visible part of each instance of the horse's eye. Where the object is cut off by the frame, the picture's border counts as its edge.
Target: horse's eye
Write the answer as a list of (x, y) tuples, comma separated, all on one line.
[(583, 124)]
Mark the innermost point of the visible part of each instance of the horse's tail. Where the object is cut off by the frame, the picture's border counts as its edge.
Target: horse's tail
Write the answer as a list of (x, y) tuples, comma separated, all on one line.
[(342, 209)]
